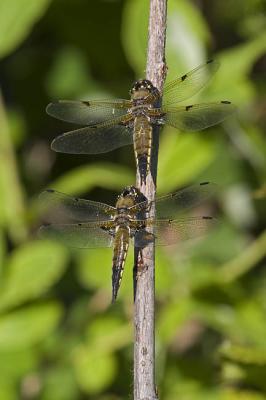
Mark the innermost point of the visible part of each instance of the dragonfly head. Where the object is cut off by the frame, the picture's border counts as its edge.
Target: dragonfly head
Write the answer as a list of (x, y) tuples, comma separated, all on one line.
[(128, 197), (129, 191), (143, 88)]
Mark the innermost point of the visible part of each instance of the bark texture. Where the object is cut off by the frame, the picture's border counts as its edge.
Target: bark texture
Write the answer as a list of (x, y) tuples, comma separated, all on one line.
[(144, 268)]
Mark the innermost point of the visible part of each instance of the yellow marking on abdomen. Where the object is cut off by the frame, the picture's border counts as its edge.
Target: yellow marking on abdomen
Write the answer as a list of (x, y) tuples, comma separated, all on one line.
[(121, 244), (142, 143)]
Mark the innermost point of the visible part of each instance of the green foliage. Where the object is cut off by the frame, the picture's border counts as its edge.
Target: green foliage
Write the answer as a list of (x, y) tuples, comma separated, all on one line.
[(16, 20), (173, 157), (85, 178), (24, 328), (31, 270), (95, 370), (186, 28), (59, 337)]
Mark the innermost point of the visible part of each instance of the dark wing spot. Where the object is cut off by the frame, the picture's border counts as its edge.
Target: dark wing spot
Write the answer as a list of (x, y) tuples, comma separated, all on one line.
[(188, 107), (87, 103), (45, 224), (207, 217), (204, 183), (183, 77), (79, 224), (76, 199), (209, 61), (50, 190), (226, 102)]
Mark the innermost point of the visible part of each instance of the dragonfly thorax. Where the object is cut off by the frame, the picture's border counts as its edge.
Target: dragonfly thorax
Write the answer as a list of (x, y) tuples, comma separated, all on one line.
[(122, 217), (122, 211)]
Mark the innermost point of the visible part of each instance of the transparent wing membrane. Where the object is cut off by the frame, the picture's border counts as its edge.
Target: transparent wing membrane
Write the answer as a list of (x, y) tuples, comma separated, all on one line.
[(96, 223), (93, 140), (175, 203), (109, 123), (88, 112), (170, 232), (189, 84), (85, 235), (64, 207), (199, 116), (170, 205)]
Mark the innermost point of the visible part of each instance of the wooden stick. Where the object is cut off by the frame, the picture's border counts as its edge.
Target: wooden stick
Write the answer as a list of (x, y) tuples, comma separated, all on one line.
[(144, 276)]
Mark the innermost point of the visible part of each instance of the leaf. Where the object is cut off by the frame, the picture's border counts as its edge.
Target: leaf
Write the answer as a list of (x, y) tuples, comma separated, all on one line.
[(95, 271), (107, 334), (250, 318), (245, 261), (32, 269), (253, 355), (83, 179), (95, 371), (224, 232), (236, 64), (68, 77), (185, 386), (182, 157), (243, 322), (7, 390), (17, 17), (17, 127), (173, 317), (16, 363), (28, 326), (60, 384), (240, 394), (2, 250), (164, 271), (224, 170), (12, 193), (90, 273), (186, 29), (135, 41)]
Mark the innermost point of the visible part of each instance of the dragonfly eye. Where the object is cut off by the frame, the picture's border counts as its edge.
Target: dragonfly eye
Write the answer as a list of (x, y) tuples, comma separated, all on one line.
[(130, 191), (142, 84)]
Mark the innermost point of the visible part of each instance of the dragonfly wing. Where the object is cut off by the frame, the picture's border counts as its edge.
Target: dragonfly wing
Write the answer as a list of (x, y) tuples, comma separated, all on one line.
[(198, 116), (170, 232), (65, 207), (172, 204), (93, 140), (189, 84), (88, 112), (87, 235)]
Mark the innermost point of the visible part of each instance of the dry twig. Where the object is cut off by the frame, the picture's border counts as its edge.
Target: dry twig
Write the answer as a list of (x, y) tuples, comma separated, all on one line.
[(144, 350)]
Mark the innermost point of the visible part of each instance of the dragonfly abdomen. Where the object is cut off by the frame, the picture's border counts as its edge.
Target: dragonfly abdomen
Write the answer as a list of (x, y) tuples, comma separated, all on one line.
[(142, 145), (121, 243)]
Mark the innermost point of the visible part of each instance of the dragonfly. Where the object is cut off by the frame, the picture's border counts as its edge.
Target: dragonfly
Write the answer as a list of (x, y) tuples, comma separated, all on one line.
[(110, 124), (90, 224)]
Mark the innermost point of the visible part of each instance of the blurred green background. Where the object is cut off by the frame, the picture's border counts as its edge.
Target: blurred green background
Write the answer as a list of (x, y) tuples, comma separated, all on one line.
[(59, 337)]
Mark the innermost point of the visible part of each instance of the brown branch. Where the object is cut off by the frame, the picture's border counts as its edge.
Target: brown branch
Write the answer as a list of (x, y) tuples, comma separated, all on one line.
[(144, 269)]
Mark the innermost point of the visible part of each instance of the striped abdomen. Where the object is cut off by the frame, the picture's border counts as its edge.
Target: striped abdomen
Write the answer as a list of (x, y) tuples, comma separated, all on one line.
[(142, 145), (121, 243)]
